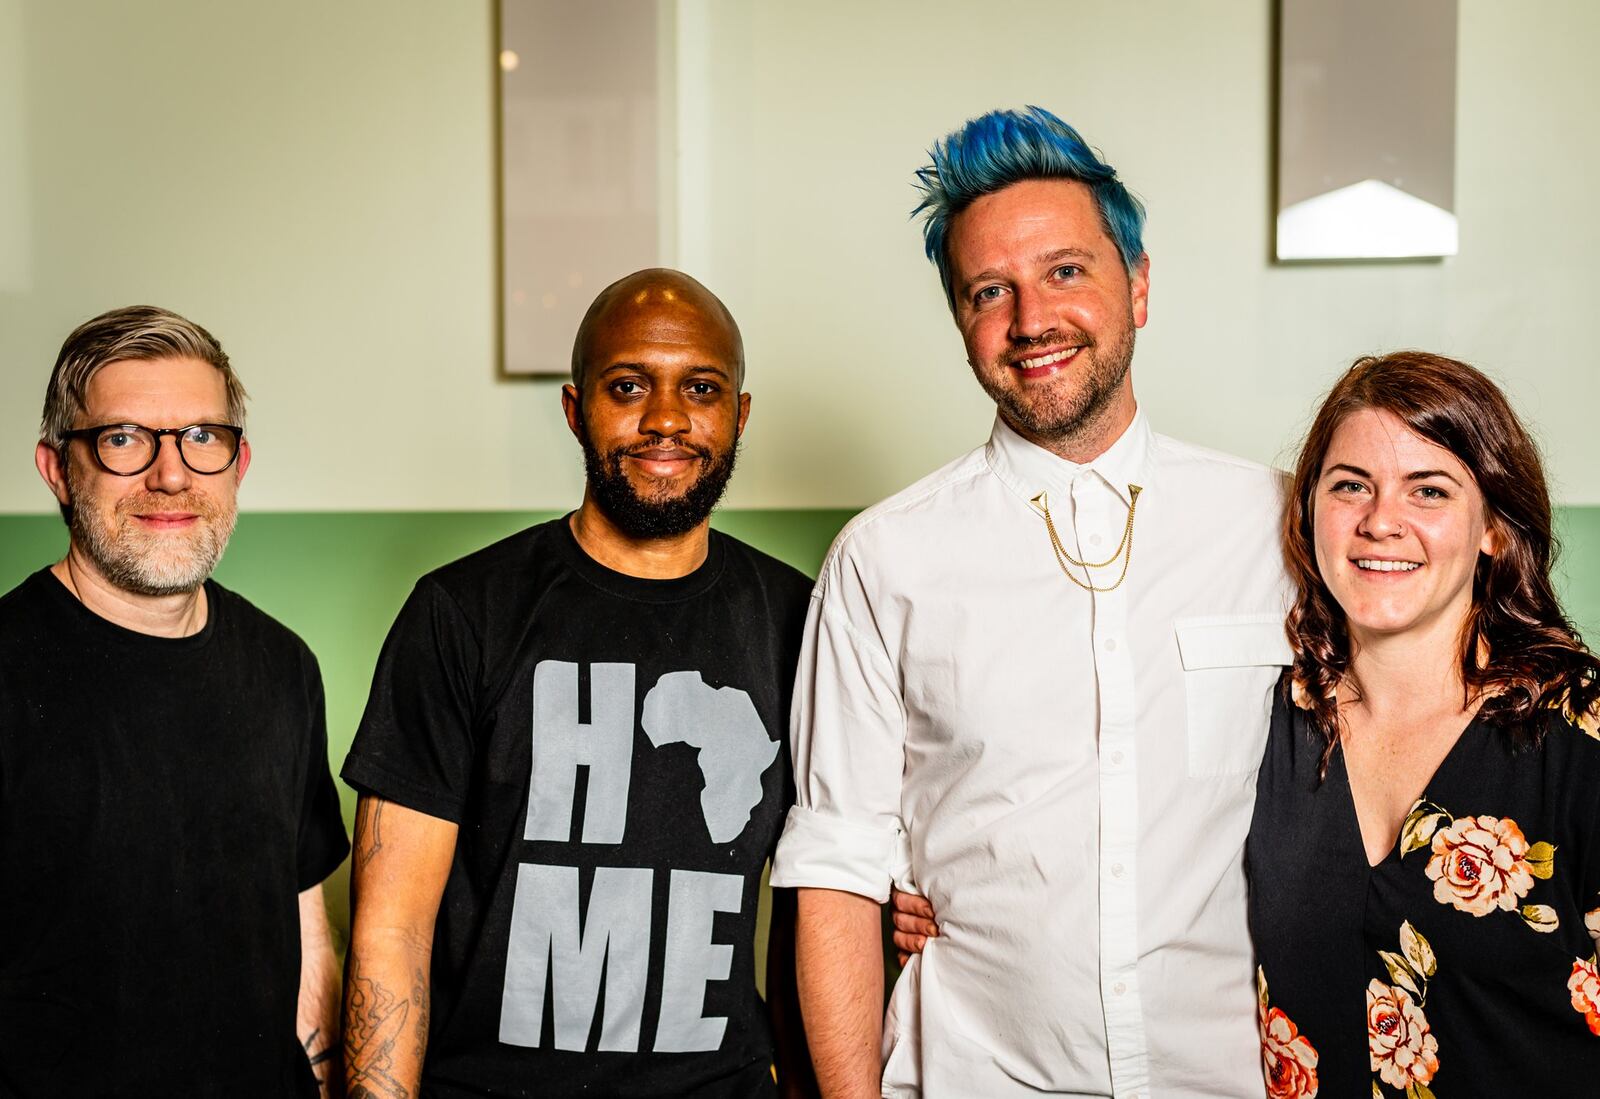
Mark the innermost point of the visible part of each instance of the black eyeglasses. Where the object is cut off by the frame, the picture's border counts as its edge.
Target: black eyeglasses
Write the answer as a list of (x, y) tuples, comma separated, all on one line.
[(129, 449)]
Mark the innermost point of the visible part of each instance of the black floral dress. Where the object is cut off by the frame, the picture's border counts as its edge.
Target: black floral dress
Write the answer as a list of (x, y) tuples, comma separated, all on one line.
[(1461, 965)]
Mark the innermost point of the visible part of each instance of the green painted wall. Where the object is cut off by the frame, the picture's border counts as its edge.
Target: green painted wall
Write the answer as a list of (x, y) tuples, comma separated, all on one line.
[(1578, 569), (338, 579)]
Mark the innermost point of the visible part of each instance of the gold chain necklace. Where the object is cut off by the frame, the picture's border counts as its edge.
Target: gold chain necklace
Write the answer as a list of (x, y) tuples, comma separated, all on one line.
[(1063, 558)]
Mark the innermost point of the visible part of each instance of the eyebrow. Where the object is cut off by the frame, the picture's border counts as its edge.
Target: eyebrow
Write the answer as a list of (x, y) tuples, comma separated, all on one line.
[(1417, 475), (115, 421), (647, 368), (1044, 257), (1065, 253)]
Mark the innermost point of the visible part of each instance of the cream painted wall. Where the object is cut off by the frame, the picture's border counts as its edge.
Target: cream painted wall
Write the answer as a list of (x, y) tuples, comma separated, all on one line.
[(314, 182)]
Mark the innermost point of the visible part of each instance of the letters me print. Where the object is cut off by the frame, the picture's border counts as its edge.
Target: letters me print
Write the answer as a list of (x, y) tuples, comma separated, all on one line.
[(551, 943)]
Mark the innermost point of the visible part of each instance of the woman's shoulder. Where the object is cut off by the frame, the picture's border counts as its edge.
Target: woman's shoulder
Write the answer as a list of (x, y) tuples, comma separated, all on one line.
[(1295, 701), (1568, 725), (1576, 710), (1296, 689), (1295, 743)]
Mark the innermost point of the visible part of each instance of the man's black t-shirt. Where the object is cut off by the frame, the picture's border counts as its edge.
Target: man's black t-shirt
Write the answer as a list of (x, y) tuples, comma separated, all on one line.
[(615, 752), (162, 802)]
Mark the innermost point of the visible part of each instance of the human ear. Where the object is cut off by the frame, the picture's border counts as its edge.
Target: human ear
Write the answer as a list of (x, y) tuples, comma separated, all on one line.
[(242, 463), (1489, 544), (1139, 290), (52, 466), (744, 413), (570, 407)]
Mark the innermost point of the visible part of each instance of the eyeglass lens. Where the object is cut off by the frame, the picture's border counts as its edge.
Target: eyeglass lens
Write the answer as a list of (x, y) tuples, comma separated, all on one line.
[(132, 449)]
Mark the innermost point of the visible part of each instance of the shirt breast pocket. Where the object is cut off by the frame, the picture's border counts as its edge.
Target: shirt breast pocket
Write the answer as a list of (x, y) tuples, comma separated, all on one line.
[(1230, 664)]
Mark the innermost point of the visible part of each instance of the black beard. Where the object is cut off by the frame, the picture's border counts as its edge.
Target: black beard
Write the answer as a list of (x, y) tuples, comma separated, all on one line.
[(641, 518)]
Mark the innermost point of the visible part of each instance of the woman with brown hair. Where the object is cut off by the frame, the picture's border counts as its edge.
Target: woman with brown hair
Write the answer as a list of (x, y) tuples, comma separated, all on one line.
[(1425, 852)]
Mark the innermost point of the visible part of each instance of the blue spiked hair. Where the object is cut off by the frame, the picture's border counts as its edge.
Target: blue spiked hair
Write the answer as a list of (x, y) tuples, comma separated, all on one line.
[(1005, 147)]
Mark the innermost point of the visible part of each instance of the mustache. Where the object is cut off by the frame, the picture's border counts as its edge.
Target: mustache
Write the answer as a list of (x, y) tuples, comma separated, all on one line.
[(661, 444), (1028, 348), (145, 503)]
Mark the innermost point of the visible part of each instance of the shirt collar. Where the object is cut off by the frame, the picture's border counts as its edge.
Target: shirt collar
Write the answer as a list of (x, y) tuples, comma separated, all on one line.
[(1028, 469)]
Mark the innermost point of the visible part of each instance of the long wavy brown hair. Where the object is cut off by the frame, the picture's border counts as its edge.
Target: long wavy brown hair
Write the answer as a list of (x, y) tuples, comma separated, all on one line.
[(1535, 658)]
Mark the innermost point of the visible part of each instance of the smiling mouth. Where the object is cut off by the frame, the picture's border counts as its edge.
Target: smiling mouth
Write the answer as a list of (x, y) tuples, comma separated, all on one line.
[(657, 462), (1367, 564), (1054, 358), (655, 455)]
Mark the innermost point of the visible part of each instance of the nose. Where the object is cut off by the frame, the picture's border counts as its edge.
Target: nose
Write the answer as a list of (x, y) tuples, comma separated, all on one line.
[(1031, 315), (1382, 518), (167, 473), (665, 414)]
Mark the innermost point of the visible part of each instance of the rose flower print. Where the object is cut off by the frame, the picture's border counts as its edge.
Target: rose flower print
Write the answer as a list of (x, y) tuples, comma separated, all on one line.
[(1480, 864), (1584, 984), (1288, 1059), (1402, 1047)]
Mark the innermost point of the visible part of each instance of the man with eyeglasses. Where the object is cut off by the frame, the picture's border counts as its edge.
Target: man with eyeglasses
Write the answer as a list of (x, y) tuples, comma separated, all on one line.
[(167, 816)]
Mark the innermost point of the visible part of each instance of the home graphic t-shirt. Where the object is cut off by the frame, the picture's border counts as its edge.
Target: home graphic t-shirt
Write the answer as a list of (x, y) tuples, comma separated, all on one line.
[(615, 753)]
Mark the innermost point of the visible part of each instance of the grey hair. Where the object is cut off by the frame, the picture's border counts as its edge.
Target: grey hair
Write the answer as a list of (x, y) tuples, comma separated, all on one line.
[(138, 332)]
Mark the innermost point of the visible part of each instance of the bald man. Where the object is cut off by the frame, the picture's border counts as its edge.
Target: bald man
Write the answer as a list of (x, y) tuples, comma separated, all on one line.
[(574, 763)]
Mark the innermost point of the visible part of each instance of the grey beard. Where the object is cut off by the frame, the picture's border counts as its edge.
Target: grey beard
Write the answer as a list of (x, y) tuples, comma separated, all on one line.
[(135, 562)]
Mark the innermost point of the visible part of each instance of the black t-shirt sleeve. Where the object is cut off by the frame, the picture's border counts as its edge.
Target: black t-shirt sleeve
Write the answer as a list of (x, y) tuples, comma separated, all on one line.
[(415, 744), (322, 840)]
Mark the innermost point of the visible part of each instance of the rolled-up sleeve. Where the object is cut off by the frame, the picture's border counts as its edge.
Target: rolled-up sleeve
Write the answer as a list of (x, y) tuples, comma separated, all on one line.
[(847, 734)]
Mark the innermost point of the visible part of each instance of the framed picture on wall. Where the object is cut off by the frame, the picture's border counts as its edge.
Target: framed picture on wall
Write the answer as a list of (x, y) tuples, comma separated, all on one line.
[(1366, 129), (583, 127)]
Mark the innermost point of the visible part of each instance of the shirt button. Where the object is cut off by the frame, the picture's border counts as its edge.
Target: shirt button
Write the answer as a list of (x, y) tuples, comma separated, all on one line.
[(1119, 988), (1116, 758), (1111, 644), (1116, 870), (1094, 539)]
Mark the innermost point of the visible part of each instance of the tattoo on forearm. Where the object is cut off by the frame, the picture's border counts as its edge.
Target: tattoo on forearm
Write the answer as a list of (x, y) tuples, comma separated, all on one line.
[(369, 830), (374, 1022), (420, 997), (318, 1057)]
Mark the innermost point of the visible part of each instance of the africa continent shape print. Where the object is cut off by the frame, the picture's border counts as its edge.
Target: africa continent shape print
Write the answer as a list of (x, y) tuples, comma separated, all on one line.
[(734, 747), (588, 933)]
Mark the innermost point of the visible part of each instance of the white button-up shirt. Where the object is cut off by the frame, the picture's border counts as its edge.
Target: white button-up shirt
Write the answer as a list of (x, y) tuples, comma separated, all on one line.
[(1067, 776)]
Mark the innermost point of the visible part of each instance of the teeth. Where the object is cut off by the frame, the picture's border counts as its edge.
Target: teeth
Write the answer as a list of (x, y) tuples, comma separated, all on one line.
[(1046, 360), (1387, 566)]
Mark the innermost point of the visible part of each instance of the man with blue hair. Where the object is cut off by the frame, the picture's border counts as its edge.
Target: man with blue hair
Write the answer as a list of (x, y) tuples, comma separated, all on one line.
[(1001, 708)]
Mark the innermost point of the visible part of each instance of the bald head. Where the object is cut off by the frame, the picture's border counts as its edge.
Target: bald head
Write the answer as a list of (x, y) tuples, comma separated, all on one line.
[(663, 300)]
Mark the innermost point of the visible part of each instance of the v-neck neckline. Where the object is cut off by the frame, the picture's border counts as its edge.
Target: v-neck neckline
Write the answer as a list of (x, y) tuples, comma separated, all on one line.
[(1391, 853)]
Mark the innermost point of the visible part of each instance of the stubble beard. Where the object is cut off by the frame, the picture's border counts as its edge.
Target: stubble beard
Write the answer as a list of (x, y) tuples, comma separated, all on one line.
[(655, 516), (1064, 413), (148, 562)]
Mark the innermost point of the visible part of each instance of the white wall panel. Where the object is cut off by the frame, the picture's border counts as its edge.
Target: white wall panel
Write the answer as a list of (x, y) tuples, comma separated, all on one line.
[(315, 183)]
